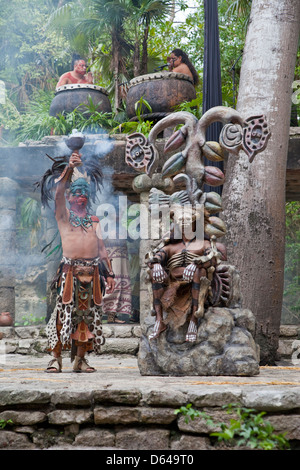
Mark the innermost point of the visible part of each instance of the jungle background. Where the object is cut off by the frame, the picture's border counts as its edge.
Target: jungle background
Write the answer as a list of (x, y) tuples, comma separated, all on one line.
[(119, 39)]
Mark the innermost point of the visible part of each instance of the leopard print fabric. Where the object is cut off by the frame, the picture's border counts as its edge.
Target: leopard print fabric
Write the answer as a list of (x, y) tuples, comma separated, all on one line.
[(64, 312)]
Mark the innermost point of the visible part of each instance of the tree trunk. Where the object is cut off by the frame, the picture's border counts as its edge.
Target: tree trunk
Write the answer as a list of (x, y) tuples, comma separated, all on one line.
[(136, 59), (254, 194), (115, 67), (145, 51)]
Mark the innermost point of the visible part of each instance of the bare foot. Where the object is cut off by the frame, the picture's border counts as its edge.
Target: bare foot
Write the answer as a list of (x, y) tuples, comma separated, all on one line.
[(159, 327), (191, 334)]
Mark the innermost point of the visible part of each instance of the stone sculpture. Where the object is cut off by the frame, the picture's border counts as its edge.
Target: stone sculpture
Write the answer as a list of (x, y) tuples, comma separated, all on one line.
[(200, 327)]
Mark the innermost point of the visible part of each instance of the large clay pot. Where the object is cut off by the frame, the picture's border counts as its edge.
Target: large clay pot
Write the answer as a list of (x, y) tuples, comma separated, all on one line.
[(69, 97), (163, 91), (5, 319)]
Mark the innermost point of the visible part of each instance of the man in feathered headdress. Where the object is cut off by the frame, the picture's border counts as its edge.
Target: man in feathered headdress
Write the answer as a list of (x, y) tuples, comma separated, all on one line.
[(76, 321)]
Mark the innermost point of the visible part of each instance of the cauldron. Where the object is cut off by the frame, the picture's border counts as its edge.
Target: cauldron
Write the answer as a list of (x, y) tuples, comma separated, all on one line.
[(69, 97), (163, 91)]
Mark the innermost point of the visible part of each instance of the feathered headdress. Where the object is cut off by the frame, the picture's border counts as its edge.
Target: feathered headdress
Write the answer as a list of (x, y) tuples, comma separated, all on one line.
[(89, 170)]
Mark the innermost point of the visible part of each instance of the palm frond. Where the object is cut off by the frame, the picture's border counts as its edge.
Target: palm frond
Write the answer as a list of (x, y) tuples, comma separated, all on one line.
[(240, 8), (154, 9)]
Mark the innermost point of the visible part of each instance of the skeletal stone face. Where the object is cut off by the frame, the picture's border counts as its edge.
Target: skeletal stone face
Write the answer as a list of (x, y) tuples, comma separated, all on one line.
[(188, 221), (186, 214), (184, 218)]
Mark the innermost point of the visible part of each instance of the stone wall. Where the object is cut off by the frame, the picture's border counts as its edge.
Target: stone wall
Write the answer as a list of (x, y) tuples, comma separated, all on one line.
[(120, 339), (110, 419), (132, 417), (288, 341)]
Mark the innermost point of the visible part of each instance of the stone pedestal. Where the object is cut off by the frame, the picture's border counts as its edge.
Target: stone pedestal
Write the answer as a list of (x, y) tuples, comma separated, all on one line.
[(8, 194), (224, 346)]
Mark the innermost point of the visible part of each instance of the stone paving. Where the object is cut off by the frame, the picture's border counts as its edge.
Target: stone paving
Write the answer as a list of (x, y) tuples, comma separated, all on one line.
[(116, 408), (274, 388)]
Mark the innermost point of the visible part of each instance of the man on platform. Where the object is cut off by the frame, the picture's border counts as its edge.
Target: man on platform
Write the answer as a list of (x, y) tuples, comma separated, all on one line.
[(77, 75)]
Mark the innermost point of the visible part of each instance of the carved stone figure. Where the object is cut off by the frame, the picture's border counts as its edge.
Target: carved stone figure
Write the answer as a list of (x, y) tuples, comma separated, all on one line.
[(190, 277), (184, 275)]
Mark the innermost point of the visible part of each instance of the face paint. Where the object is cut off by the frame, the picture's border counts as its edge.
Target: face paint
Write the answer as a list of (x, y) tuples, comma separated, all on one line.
[(79, 193), (80, 187)]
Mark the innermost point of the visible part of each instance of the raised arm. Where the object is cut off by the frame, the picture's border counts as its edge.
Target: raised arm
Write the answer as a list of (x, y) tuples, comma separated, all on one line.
[(61, 211)]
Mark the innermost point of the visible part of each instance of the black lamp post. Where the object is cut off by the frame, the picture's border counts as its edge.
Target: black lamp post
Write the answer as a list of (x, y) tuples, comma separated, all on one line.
[(212, 87)]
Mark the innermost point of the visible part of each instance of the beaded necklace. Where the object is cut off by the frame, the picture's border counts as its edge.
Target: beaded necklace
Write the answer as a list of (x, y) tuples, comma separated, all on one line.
[(84, 222)]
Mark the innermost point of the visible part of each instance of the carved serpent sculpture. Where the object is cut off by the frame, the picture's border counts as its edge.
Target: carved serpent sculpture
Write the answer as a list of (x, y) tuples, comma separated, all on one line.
[(250, 135)]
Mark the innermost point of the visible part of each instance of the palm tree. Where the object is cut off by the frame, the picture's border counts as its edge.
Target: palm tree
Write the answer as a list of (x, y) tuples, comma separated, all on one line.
[(241, 7), (146, 12), (115, 25), (108, 17), (98, 20)]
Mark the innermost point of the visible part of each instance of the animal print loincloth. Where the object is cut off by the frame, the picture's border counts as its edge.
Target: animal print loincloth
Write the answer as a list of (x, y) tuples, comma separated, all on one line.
[(66, 315)]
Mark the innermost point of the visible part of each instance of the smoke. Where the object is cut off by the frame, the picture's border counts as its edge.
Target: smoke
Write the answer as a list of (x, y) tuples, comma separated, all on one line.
[(109, 201), (110, 205), (2, 92), (30, 265)]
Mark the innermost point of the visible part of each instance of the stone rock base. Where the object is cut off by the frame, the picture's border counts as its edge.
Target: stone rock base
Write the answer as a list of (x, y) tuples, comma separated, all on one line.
[(224, 346)]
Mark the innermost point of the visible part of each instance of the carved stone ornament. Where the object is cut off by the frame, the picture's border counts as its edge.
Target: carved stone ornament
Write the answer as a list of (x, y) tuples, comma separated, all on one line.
[(255, 136), (252, 137), (140, 155)]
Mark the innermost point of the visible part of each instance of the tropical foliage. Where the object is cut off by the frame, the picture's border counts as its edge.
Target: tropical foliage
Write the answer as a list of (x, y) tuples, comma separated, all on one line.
[(246, 428), (291, 299), (119, 38), (116, 32), (32, 57), (31, 218)]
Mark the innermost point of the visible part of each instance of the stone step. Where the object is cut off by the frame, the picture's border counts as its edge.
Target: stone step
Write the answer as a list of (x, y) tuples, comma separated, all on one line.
[(288, 340), (119, 339), (118, 408)]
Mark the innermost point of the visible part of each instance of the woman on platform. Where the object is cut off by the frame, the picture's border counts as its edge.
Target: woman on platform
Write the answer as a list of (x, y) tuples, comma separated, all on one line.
[(179, 62)]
